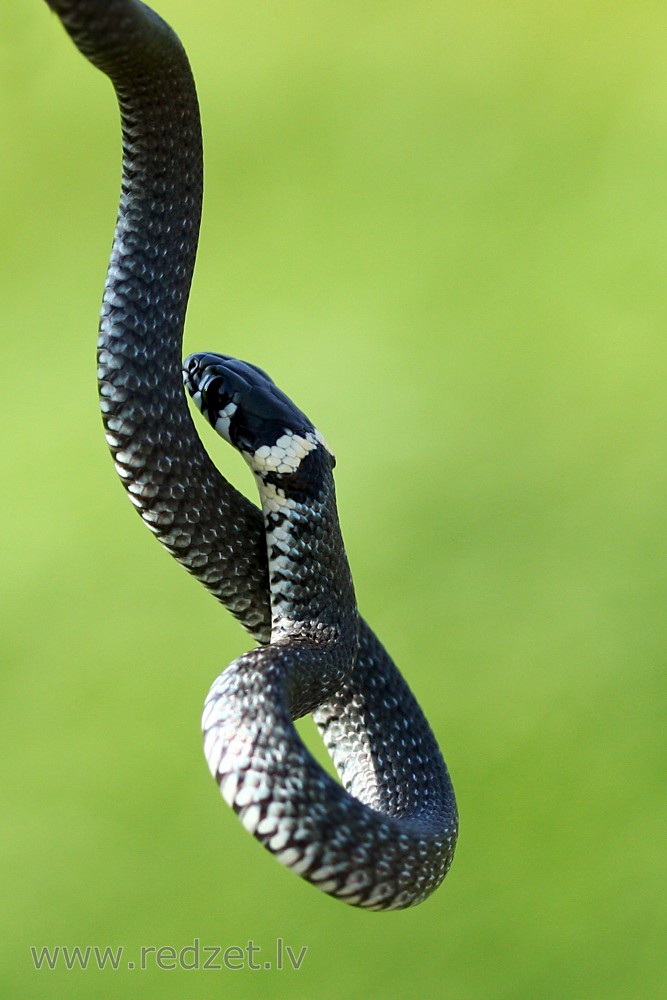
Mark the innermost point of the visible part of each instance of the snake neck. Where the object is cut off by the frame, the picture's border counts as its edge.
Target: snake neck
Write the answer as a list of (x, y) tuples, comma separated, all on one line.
[(306, 555)]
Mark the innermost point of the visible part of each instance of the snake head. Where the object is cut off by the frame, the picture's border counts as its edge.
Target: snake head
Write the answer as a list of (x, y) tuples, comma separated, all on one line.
[(245, 406)]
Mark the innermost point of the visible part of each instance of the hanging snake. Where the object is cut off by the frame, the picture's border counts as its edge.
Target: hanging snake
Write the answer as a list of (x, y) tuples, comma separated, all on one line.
[(385, 837)]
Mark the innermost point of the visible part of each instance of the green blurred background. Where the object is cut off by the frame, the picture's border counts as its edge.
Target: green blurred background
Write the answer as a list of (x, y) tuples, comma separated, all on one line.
[(443, 229)]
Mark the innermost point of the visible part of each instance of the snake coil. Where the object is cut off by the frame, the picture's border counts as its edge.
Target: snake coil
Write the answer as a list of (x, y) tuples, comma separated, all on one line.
[(384, 840)]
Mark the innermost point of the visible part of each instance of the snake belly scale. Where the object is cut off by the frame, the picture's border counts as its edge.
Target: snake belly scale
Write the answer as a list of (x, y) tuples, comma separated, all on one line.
[(384, 838)]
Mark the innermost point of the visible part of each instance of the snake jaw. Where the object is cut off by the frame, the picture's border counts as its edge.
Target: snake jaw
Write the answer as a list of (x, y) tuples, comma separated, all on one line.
[(207, 391)]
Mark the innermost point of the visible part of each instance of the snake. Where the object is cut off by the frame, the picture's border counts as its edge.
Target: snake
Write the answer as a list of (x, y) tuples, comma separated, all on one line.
[(382, 836)]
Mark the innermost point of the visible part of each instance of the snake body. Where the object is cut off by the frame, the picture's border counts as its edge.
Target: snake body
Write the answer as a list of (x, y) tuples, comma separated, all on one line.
[(385, 839)]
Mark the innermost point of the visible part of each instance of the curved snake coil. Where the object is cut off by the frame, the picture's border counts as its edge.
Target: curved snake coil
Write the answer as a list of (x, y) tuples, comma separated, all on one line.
[(384, 840)]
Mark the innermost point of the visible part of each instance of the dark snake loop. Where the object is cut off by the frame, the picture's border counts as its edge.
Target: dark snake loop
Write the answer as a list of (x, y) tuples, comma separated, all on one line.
[(387, 840)]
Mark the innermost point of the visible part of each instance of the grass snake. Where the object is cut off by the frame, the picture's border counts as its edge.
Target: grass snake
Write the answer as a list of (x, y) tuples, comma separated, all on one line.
[(385, 838)]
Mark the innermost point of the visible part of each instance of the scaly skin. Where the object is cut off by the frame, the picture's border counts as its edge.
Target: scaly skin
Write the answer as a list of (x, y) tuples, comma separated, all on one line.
[(397, 821)]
